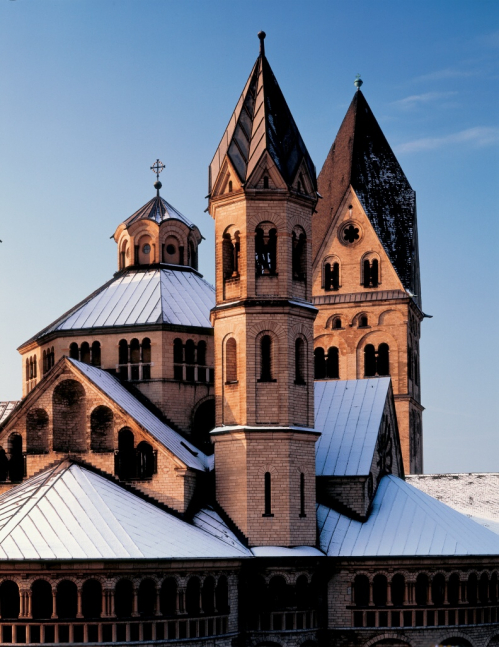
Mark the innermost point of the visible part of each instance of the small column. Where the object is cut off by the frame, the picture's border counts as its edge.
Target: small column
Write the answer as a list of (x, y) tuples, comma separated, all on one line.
[(181, 601), (42, 634), (135, 612), (429, 595), (158, 602), (371, 603), (446, 593), (79, 613), (54, 605), (30, 603), (463, 592), (389, 594), (104, 604)]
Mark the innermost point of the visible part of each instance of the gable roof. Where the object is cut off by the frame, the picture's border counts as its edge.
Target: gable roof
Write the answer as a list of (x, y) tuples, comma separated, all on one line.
[(262, 122), (348, 413), (142, 297), (361, 157), (475, 495), (68, 512), (159, 210), (174, 442), (403, 522)]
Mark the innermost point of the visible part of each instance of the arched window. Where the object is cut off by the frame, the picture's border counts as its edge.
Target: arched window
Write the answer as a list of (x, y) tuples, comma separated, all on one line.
[(147, 598), (101, 429), (421, 590), (222, 595), (302, 593), (44, 362), (379, 590), (146, 358), (398, 590), (265, 181), (66, 600), (453, 589), (369, 361), (370, 271), (319, 364), (472, 589), (231, 361), (227, 256), (146, 460), (134, 359), (190, 360), (202, 424), (85, 352), (267, 484), (299, 361), (208, 596), (201, 353), (123, 351), (91, 599), (266, 251), (302, 495), (16, 458), (438, 590), (331, 275), (278, 593), (192, 596), (363, 321), (27, 370), (96, 353), (68, 403), (9, 600), (266, 359), (230, 186), (37, 431), (41, 600), (126, 454), (168, 597), (299, 254), (383, 363), (73, 351), (336, 323), (123, 599), (333, 364)]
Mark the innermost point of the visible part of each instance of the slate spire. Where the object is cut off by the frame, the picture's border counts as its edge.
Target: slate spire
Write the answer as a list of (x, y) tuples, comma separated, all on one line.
[(361, 157), (262, 122)]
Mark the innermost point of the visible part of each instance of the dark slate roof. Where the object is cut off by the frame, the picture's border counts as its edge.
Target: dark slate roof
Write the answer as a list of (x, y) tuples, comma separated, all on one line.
[(362, 157), (158, 209), (262, 121)]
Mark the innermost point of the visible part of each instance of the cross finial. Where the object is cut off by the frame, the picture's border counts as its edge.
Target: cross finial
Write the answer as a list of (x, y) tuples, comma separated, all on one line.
[(261, 36), (157, 167), (358, 82)]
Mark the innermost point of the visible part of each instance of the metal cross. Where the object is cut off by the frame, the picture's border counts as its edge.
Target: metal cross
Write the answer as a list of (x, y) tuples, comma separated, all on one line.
[(157, 167)]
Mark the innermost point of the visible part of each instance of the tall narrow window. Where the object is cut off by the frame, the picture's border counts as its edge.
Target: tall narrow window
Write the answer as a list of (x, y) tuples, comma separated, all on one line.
[(374, 273), (409, 363), (369, 361), (178, 358), (228, 256), (299, 361), (268, 495), (299, 257), (73, 351), (302, 495), (85, 353), (332, 365), (231, 361), (416, 369), (332, 276), (123, 359), (135, 359), (146, 358), (337, 323), (265, 182), (319, 364), (96, 353), (190, 352), (383, 363), (230, 186), (266, 359), (202, 353), (45, 362), (370, 271), (367, 273), (265, 251)]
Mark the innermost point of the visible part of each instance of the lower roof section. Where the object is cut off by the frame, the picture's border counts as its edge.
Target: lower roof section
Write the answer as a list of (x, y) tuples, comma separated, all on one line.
[(403, 522)]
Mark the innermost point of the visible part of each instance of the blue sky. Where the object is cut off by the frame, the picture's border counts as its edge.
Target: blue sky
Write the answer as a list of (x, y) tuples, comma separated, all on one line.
[(93, 91)]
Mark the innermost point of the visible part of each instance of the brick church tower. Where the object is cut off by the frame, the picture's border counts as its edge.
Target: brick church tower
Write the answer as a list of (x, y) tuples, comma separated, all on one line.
[(366, 281), (262, 196)]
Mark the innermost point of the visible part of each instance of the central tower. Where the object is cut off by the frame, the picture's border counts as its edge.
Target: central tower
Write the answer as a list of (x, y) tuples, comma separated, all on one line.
[(262, 196)]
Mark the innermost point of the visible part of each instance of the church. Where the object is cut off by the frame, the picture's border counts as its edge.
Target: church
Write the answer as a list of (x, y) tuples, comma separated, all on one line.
[(241, 466)]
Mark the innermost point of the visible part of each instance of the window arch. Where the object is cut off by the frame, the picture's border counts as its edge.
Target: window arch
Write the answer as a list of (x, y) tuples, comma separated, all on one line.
[(266, 359), (66, 599), (380, 588), (68, 402), (146, 358), (370, 270), (147, 597), (101, 429), (331, 273), (299, 254), (376, 362), (192, 596), (231, 361), (85, 352), (422, 590), (37, 431), (278, 593), (398, 589), (41, 600), (9, 600), (222, 595), (319, 364), (266, 249), (146, 459), (438, 589), (363, 321), (201, 352), (300, 361)]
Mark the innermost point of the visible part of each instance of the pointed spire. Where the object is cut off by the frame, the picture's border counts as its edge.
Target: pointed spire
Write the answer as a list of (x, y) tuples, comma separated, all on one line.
[(361, 157), (262, 122)]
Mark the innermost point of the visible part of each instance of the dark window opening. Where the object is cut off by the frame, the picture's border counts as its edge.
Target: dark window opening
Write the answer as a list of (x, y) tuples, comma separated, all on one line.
[(398, 590), (190, 351), (319, 364), (85, 353), (361, 591), (265, 251), (333, 364), (41, 600), (265, 181), (9, 600), (73, 351), (202, 353), (337, 323), (332, 276), (123, 599), (193, 596), (421, 590), (202, 424), (299, 361), (266, 359), (379, 590), (96, 354), (267, 495), (101, 429), (371, 272), (66, 600), (230, 186), (302, 495), (363, 322), (299, 256), (168, 597), (146, 598), (376, 362), (91, 599)]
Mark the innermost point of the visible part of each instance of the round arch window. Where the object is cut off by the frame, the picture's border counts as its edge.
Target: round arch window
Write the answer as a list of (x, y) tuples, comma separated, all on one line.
[(146, 249), (350, 233)]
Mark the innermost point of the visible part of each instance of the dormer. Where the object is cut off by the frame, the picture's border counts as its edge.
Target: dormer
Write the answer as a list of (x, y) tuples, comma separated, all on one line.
[(157, 233)]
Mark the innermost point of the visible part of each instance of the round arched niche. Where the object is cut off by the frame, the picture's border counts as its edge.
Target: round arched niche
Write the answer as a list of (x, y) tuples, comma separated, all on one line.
[(203, 422)]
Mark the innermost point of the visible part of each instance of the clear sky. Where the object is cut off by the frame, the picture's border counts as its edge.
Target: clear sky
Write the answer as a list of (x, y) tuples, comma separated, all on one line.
[(93, 91)]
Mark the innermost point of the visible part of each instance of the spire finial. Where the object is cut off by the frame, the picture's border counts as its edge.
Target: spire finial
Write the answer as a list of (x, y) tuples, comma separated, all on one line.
[(157, 167), (358, 82), (261, 36)]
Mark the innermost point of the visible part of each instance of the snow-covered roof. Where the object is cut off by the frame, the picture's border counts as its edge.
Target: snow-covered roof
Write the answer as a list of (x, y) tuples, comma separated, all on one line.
[(403, 522), (6, 408), (140, 297), (158, 209), (348, 413), (179, 446), (210, 521), (475, 495), (69, 512), (283, 551)]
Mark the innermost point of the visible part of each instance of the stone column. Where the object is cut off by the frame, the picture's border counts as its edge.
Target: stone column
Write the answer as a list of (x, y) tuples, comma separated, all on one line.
[(135, 612), (79, 613), (54, 604)]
